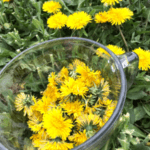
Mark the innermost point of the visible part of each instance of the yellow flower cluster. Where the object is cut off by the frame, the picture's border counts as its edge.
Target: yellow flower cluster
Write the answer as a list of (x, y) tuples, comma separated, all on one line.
[(116, 16), (68, 113), (76, 20)]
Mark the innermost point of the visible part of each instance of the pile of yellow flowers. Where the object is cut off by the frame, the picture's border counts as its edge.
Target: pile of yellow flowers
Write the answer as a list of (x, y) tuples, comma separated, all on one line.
[(73, 107)]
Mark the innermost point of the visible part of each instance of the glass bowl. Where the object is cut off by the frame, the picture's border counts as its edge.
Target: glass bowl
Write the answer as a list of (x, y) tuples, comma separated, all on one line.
[(28, 73)]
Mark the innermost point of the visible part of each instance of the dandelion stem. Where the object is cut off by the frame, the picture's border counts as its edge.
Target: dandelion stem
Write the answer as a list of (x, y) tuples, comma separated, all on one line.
[(141, 128), (129, 2), (73, 33), (146, 23), (95, 30), (124, 40)]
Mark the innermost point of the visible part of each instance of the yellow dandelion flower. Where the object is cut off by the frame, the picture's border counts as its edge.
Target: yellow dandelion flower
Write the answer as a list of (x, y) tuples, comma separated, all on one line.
[(51, 7), (117, 16), (101, 124), (36, 140), (78, 138), (19, 101), (51, 92), (74, 108), (101, 17), (23, 102), (6, 0), (87, 76), (57, 146), (34, 123), (78, 20), (39, 138), (76, 63), (56, 125), (115, 49), (57, 21), (35, 120), (105, 88), (67, 86), (73, 86), (105, 101), (27, 111), (83, 71), (87, 119), (44, 104), (110, 2), (144, 58), (109, 111), (89, 109), (100, 51), (79, 88), (105, 118), (63, 75), (52, 78)]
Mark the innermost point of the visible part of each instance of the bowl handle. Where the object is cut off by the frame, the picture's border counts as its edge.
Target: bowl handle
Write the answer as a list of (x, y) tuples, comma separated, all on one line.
[(130, 62)]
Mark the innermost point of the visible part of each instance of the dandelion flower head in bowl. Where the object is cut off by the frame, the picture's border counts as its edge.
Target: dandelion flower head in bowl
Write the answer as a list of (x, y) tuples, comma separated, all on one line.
[(23, 102), (78, 20), (57, 125)]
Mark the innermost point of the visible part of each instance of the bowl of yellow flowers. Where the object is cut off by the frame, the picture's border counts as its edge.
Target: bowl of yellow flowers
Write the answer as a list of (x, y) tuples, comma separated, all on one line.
[(62, 94)]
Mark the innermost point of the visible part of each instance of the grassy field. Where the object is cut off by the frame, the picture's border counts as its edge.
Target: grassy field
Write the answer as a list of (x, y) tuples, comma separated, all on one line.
[(24, 24)]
